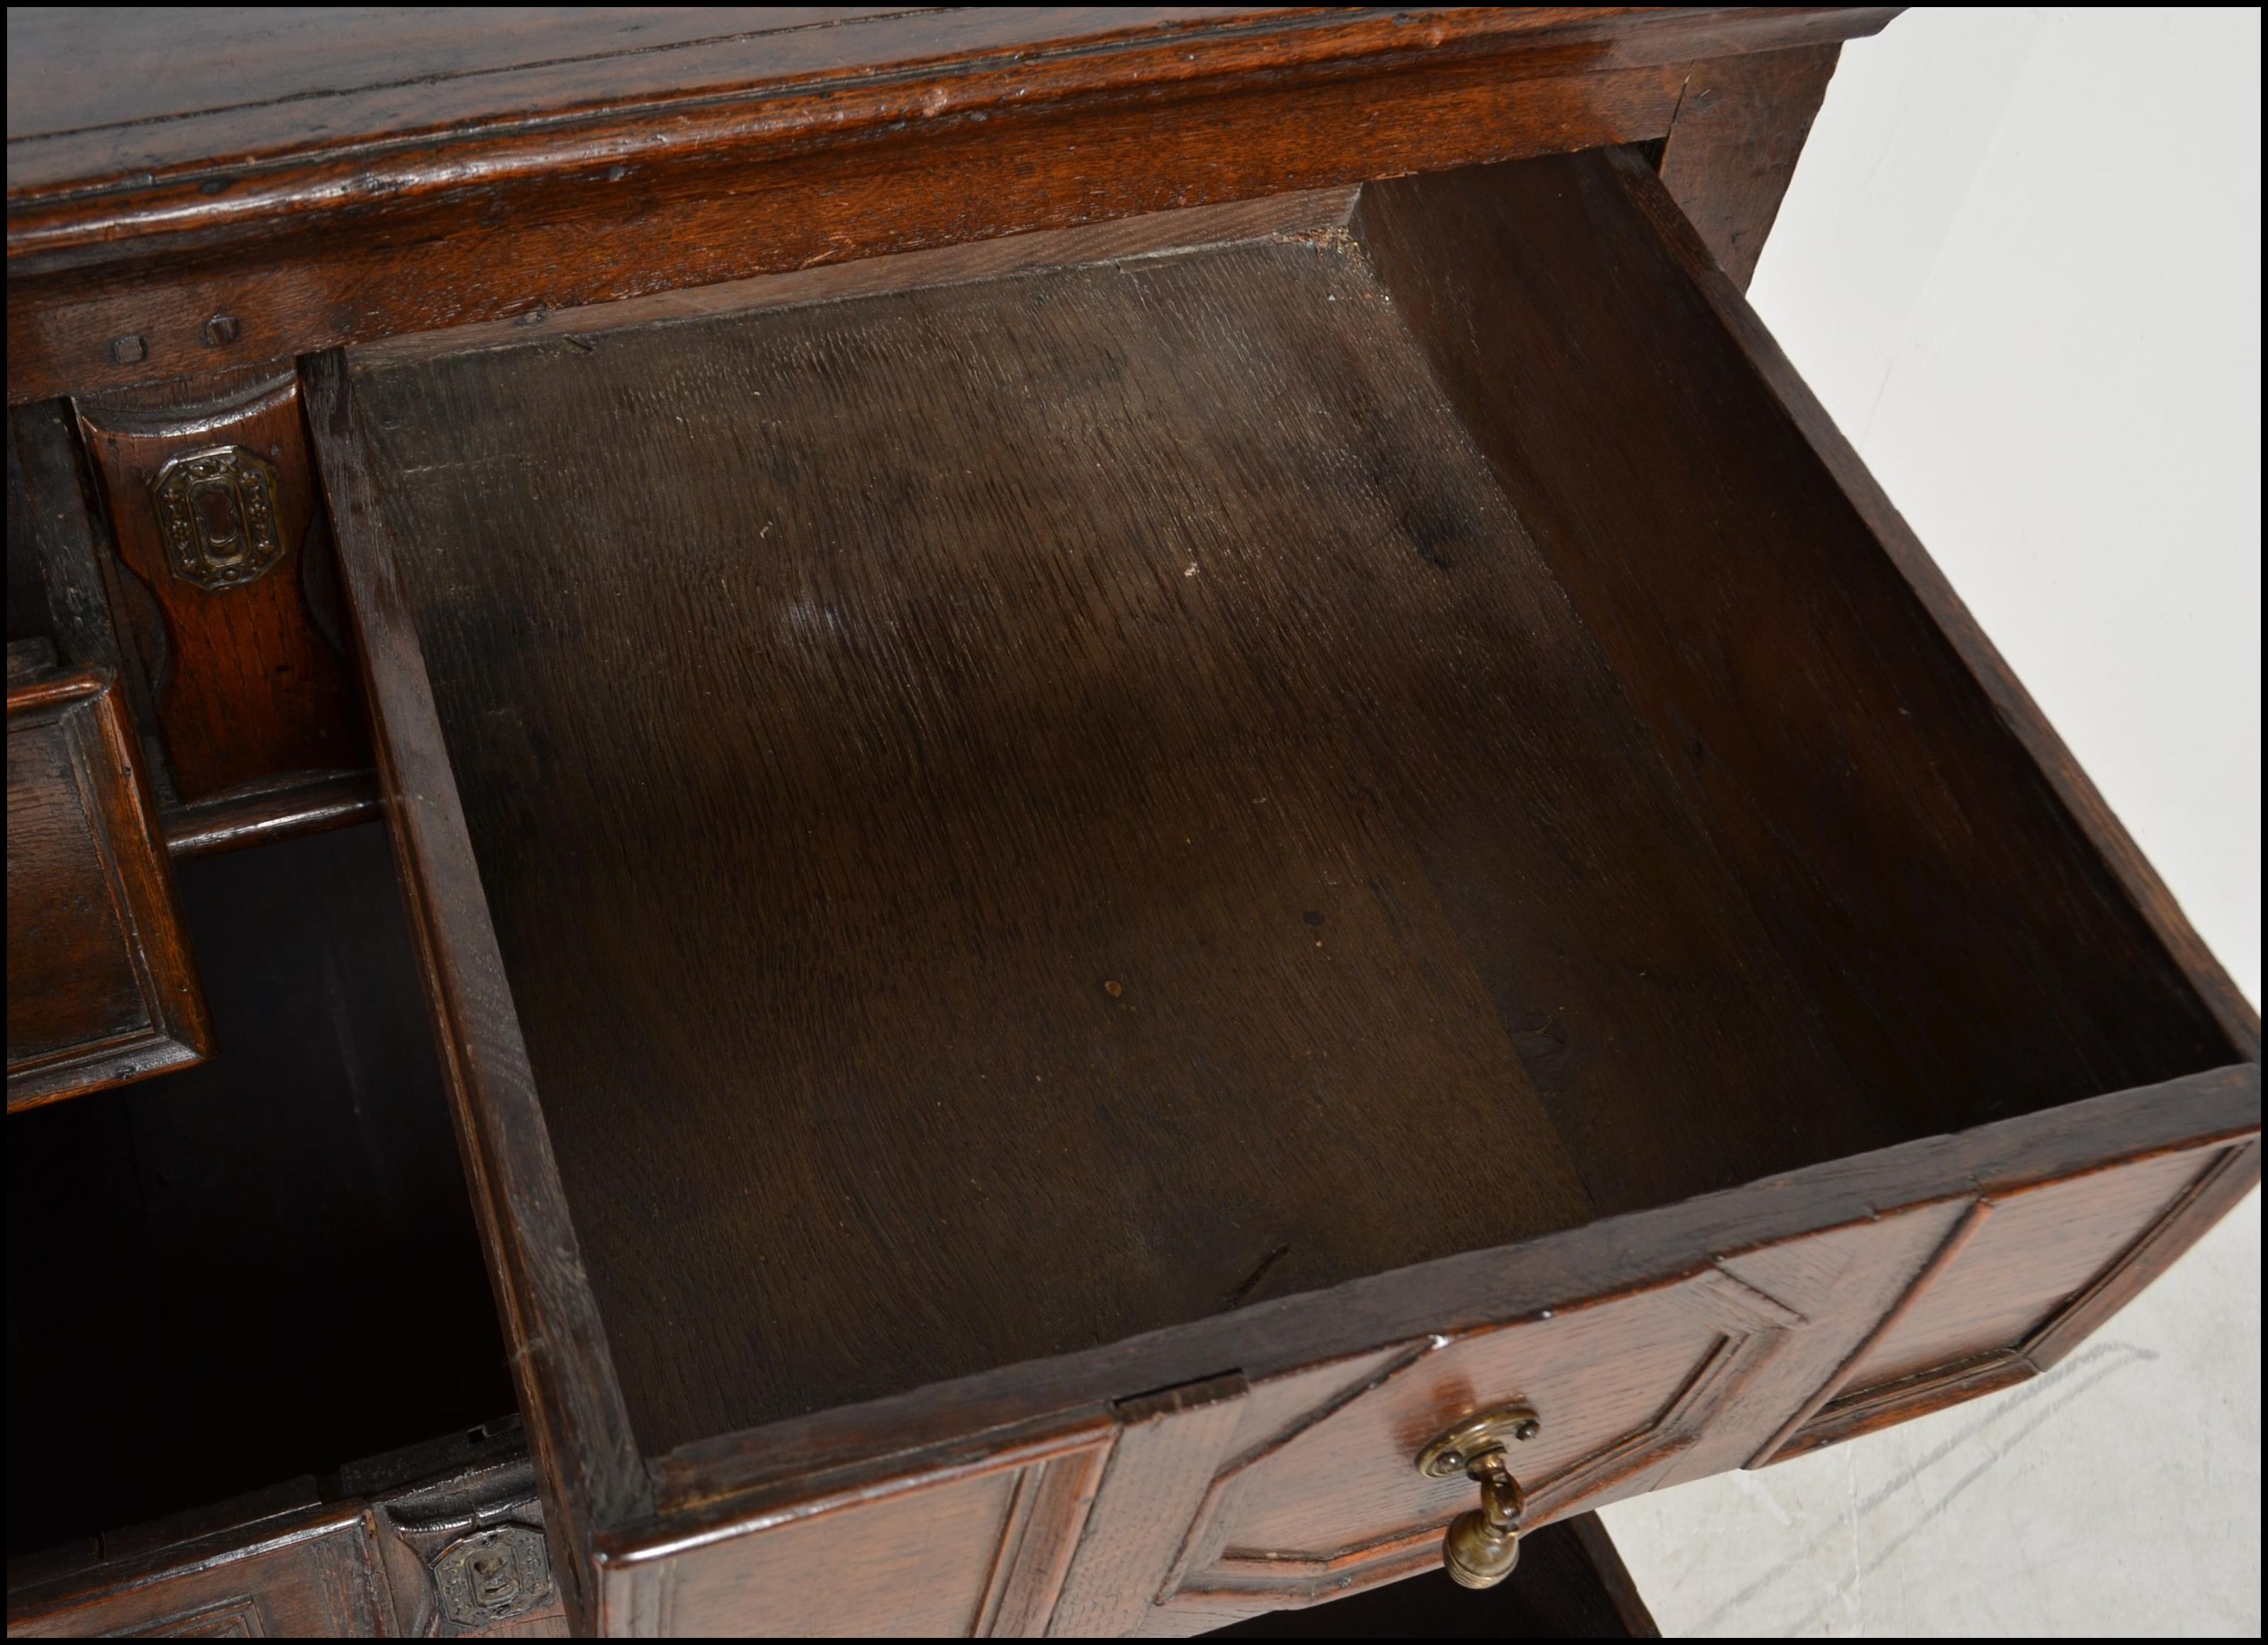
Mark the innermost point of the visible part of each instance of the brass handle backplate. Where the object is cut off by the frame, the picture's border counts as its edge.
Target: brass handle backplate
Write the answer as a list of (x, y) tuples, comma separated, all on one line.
[(1482, 1545)]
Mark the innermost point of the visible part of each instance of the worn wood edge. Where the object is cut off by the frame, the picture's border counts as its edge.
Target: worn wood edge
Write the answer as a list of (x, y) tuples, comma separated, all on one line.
[(233, 822), (179, 1034), (1700, 174), (1193, 1557), (1933, 1266), (1888, 1404), (40, 1601), (1304, 213), (304, 291), (707, 1480), (2212, 1196), (857, 1485), (578, 1427), (410, 165), (2076, 793), (2220, 1184)]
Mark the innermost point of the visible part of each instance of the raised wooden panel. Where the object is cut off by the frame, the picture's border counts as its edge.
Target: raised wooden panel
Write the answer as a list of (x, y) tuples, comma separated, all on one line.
[(228, 587), (2033, 1251), (101, 988), (1332, 1500), (309, 1575), (968, 1551), (1984, 1331)]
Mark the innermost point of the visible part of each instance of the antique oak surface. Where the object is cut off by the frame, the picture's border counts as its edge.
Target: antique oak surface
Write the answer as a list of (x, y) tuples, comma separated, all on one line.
[(1129, 754), (102, 987)]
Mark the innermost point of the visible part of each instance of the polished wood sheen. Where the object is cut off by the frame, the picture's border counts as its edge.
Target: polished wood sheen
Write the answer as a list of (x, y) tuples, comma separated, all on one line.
[(1129, 754), (250, 682), (1092, 685), (101, 985), (223, 191)]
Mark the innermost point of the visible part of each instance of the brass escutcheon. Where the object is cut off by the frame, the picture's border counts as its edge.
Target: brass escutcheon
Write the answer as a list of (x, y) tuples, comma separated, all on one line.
[(1482, 1545)]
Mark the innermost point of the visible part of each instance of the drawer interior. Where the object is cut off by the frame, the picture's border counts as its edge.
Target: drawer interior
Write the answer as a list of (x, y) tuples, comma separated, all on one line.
[(1040, 792), (263, 1268)]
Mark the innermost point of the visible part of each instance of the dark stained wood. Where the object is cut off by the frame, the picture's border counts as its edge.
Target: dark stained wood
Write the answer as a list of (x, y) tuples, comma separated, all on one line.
[(102, 989), (1445, 865), (1329, 1500), (303, 1575), (1949, 907), (840, 717), (348, 1558), (143, 247), (1570, 1584), (968, 1546), (1170, 1446), (65, 549), (256, 818), (579, 1431), (1741, 123), (2134, 882), (2020, 1265), (2217, 1190), (251, 689), (707, 1483), (262, 1266), (1979, 1326)]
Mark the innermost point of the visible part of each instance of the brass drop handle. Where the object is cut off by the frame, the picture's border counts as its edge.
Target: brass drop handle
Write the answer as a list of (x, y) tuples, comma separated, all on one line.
[(1482, 1545)]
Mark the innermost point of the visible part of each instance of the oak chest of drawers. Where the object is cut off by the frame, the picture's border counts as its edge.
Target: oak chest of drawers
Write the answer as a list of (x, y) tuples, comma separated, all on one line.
[(1165, 820)]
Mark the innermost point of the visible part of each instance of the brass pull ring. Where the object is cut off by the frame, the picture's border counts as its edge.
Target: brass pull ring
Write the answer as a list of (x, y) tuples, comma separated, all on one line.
[(1482, 1545)]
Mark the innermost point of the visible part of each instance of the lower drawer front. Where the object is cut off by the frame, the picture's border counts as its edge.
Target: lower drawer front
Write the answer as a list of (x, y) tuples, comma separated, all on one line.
[(101, 989)]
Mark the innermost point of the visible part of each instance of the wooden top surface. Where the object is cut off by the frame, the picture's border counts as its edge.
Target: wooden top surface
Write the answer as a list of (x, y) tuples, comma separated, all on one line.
[(119, 101)]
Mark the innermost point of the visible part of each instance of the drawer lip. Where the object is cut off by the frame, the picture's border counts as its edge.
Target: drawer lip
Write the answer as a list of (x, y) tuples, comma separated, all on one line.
[(711, 1482), (613, 1504), (178, 1033)]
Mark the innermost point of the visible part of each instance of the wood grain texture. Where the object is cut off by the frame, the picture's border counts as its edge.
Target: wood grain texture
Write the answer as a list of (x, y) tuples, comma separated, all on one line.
[(2163, 927), (304, 1575), (236, 821), (1168, 1450), (579, 1429), (2035, 1250), (339, 215), (1732, 143), (1916, 862), (285, 1562), (1841, 1282), (251, 689), (102, 988), (1984, 1306), (66, 549), (1185, 700), (1334, 1502), (973, 1543)]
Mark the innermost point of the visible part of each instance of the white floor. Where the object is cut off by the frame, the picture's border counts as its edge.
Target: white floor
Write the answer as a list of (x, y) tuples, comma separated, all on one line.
[(2021, 264)]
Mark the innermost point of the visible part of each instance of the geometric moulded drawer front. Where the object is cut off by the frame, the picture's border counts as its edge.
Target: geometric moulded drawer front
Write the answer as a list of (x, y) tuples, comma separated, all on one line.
[(1358, 796), (101, 987), (1320, 1496), (2029, 1253)]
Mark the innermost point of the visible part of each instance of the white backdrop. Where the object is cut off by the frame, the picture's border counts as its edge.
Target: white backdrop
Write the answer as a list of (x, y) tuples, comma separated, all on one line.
[(2021, 265)]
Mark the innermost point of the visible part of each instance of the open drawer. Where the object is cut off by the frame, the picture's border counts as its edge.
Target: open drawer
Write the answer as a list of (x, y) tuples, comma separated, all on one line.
[(1081, 888)]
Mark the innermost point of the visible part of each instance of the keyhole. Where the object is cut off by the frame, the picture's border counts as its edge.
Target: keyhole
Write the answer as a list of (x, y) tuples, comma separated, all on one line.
[(219, 520), (493, 1586)]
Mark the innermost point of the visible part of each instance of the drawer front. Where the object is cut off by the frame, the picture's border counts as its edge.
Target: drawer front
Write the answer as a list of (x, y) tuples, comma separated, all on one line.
[(2024, 1276), (966, 1550), (101, 989), (311, 1577), (1319, 1493)]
